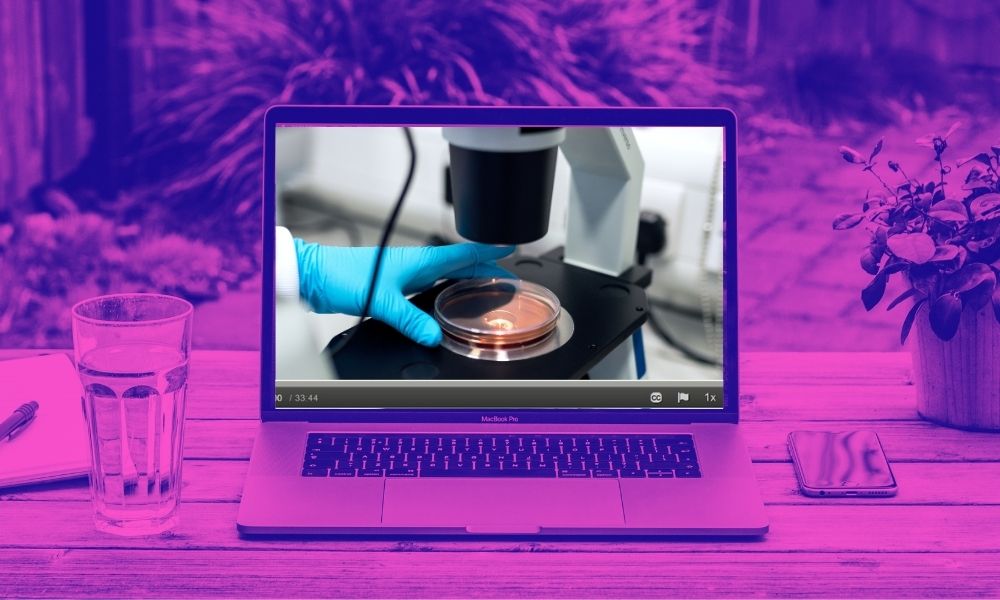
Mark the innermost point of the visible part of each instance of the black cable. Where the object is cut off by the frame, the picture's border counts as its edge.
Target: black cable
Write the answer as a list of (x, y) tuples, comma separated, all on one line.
[(687, 311), (390, 224), (672, 340), (668, 337)]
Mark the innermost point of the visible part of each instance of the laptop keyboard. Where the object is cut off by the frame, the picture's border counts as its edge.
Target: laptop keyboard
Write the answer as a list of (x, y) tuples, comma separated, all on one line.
[(515, 455)]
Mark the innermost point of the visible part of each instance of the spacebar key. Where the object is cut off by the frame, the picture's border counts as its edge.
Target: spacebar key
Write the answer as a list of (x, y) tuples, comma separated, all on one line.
[(444, 473)]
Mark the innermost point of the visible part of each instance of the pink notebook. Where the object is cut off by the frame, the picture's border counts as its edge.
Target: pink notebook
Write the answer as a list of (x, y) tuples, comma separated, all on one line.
[(55, 445)]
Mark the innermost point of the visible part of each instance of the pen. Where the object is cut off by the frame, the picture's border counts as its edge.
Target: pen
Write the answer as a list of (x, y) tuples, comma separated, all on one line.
[(22, 417)]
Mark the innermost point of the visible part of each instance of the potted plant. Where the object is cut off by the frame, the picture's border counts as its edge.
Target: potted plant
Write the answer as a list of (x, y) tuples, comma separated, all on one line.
[(943, 238)]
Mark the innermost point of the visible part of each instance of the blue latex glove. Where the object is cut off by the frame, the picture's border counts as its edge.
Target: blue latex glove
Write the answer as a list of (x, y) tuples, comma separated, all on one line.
[(335, 279)]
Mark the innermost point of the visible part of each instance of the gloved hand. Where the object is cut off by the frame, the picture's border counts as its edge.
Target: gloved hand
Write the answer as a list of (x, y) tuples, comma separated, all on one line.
[(335, 280)]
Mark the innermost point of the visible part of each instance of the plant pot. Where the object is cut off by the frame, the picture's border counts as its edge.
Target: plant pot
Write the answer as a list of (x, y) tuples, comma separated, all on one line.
[(958, 381)]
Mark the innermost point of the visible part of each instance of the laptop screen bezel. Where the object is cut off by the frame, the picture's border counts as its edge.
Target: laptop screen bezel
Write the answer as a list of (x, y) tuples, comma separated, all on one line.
[(435, 116)]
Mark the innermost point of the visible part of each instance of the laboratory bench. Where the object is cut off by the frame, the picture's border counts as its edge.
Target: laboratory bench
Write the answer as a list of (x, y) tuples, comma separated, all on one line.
[(940, 536)]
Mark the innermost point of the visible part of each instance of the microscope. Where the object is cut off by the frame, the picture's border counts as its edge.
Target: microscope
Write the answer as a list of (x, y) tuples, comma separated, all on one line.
[(501, 183)]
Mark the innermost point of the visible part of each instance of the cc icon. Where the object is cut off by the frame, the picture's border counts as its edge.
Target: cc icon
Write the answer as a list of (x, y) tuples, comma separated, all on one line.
[(656, 397)]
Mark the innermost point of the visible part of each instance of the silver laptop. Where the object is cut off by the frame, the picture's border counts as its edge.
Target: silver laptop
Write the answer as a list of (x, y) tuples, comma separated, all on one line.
[(585, 383)]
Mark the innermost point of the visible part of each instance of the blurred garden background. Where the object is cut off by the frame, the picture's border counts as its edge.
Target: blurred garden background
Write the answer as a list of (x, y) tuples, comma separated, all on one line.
[(132, 129)]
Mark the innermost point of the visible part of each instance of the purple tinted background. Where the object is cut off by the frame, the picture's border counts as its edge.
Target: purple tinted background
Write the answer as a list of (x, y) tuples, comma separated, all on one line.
[(132, 131)]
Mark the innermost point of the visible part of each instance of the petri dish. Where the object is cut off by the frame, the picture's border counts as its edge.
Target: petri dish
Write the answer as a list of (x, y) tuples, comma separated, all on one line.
[(497, 313)]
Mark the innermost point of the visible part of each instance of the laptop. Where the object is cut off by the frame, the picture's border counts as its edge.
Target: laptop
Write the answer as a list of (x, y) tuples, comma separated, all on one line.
[(571, 429)]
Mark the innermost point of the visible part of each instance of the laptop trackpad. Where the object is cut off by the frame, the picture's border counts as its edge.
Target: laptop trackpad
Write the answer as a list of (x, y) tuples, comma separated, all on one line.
[(502, 505)]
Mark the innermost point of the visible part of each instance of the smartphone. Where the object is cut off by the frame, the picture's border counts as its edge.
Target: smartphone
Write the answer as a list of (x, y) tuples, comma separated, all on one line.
[(841, 464)]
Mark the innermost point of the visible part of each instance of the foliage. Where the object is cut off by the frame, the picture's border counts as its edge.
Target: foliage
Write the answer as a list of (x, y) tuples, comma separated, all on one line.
[(827, 87), (227, 62), (945, 241), (48, 263), (176, 265)]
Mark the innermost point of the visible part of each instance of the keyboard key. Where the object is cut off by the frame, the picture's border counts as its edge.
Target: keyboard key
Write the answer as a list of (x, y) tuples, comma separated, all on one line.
[(343, 472), (632, 473), (688, 473), (660, 474), (660, 466), (369, 472), (527, 473), (574, 473), (444, 473), (314, 472), (399, 472), (317, 464), (606, 473)]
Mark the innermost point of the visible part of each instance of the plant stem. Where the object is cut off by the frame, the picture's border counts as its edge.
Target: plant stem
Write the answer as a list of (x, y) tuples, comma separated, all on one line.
[(882, 181), (905, 176)]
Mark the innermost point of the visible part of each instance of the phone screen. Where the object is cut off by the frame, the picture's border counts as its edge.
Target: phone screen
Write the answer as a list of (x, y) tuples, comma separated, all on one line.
[(849, 459)]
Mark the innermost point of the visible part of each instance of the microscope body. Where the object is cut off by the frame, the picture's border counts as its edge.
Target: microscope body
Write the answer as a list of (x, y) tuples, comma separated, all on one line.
[(502, 180)]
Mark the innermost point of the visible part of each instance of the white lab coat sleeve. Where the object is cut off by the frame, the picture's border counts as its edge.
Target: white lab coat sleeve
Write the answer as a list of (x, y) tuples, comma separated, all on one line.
[(286, 265)]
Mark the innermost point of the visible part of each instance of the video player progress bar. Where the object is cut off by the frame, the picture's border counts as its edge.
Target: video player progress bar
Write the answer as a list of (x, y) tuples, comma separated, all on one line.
[(348, 395)]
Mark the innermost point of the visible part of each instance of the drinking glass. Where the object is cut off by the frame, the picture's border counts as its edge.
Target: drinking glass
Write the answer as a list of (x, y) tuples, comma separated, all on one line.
[(132, 356)]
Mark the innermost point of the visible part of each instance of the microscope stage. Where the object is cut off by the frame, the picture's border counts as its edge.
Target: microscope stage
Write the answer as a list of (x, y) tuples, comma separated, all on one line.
[(605, 311)]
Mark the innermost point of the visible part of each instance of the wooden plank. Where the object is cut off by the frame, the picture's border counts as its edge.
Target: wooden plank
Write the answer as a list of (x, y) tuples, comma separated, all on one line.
[(222, 439), (920, 483), (795, 528), (204, 481), (828, 403), (222, 384), (903, 440), (825, 368), (258, 573)]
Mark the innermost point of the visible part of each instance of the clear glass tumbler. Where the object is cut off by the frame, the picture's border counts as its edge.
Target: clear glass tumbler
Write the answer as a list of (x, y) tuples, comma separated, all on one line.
[(132, 356)]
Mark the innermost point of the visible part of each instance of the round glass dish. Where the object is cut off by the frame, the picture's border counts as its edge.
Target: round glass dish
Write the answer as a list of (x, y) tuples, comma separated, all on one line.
[(497, 313)]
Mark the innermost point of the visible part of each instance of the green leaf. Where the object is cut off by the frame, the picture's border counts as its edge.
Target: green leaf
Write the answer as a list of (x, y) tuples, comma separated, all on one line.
[(975, 184), (946, 312), (952, 205), (981, 157), (877, 149), (949, 216), (917, 248), (908, 321), (900, 298), (985, 205), (873, 292), (848, 220), (996, 303), (980, 245), (869, 262), (945, 253), (851, 155), (975, 282), (926, 280)]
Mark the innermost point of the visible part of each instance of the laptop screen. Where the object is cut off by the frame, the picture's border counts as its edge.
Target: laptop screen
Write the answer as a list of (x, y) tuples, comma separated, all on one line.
[(518, 268)]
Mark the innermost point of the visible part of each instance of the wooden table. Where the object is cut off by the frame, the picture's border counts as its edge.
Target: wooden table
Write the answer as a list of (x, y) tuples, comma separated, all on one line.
[(940, 536)]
